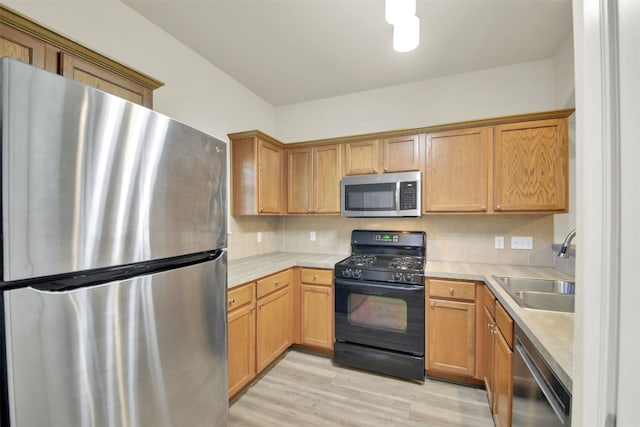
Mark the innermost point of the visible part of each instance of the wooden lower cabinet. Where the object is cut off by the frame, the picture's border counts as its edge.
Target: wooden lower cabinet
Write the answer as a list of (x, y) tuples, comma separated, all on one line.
[(274, 317), (503, 394), (259, 326), (451, 327), (498, 357), (316, 308), (241, 303)]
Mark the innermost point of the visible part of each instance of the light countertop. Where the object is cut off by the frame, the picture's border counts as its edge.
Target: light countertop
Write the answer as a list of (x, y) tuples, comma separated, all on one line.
[(550, 332)]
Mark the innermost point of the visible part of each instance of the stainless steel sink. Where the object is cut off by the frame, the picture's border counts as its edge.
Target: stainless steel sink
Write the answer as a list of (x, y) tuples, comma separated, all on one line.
[(540, 294)]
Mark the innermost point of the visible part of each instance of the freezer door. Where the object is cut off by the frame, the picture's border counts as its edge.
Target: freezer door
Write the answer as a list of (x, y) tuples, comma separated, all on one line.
[(149, 351), (90, 180)]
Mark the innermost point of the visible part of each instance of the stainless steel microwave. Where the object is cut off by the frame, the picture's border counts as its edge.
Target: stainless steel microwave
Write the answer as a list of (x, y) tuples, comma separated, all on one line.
[(385, 195)]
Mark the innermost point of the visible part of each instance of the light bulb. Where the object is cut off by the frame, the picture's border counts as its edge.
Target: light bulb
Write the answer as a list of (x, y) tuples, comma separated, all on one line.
[(406, 34), (398, 9)]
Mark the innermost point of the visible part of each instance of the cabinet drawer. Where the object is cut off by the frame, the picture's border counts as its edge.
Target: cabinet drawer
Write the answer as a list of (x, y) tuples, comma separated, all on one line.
[(273, 282), (489, 300), (452, 289), (505, 323), (241, 295), (316, 277)]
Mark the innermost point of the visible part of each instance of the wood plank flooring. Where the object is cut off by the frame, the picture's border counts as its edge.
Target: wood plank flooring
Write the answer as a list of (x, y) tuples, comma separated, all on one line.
[(307, 390)]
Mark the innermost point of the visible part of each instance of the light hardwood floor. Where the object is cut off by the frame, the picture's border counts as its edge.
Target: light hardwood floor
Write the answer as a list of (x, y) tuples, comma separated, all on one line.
[(308, 390)]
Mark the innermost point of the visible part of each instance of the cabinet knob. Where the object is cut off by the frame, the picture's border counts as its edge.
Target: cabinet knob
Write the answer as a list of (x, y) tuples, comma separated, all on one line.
[(498, 207), (261, 305), (252, 308), (451, 291), (231, 301), (315, 277), (261, 210), (375, 170), (277, 282), (385, 169), (483, 207), (433, 304)]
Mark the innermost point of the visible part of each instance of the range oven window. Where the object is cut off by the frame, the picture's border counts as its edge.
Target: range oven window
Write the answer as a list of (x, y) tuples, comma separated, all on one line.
[(371, 197), (378, 312)]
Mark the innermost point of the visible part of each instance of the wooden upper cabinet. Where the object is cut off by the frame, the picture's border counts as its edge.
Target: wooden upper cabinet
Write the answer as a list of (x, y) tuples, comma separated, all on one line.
[(300, 181), (402, 153), (270, 178), (327, 172), (18, 45), (395, 154), (362, 157), (457, 170), (531, 166), (313, 179), (90, 74), (257, 175), (27, 41)]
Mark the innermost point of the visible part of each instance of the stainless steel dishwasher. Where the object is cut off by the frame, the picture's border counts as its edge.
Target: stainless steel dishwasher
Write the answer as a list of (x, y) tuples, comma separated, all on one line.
[(539, 398)]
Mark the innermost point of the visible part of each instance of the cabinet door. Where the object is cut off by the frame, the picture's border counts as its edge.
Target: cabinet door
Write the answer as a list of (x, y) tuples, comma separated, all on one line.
[(327, 171), (457, 171), (402, 153), (300, 181), (316, 313), (270, 172), (361, 157), (241, 336), (18, 45), (531, 162), (273, 331), (89, 74), (242, 348), (451, 337), (488, 339), (503, 381)]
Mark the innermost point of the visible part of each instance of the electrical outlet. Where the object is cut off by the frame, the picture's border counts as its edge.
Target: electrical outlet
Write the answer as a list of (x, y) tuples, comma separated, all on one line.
[(522, 242), (312, 236), (259, 236), (499, 242)]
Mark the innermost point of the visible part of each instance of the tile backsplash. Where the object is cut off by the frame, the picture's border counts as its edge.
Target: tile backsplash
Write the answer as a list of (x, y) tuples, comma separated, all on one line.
[(457, 238)]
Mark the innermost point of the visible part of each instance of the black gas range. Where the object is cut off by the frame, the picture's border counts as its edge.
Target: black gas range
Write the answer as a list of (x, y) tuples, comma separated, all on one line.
[(379, 303)]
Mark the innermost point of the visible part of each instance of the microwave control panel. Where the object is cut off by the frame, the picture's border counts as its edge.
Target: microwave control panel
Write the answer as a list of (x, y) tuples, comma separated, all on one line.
[(408, 195)]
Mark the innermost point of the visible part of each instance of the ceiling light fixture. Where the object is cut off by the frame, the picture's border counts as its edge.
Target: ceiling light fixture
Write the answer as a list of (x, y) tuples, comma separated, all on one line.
[(398, 9), (406, 34), (406, 26)]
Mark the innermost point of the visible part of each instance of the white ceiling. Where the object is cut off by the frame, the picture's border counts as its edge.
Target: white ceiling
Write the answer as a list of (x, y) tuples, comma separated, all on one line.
[(290, 51)]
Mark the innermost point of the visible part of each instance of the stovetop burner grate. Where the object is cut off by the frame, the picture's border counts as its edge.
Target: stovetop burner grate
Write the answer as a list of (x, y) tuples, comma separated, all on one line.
[(406, 263)]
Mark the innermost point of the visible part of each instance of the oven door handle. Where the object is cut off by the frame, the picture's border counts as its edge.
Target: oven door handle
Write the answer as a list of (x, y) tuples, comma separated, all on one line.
[(357, 284)]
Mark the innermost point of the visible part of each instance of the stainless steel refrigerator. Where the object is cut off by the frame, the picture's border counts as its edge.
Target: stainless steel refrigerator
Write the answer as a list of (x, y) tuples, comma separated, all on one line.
[(113, 261)]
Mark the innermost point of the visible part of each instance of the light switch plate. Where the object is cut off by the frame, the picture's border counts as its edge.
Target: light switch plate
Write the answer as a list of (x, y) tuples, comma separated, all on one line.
[(259, 236), (312, 236), (522, 242), (499, 242)]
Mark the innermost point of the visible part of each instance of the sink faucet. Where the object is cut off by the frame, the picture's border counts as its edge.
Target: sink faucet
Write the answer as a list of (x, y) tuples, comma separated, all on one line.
[(565, 245)]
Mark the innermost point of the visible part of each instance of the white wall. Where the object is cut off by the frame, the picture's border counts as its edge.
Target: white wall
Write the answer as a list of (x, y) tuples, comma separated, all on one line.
[(564, 89), (515, 89), (195, 92)]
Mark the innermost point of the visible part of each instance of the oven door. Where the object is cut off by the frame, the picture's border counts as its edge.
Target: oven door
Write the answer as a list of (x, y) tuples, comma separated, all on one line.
[(382, 315)]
